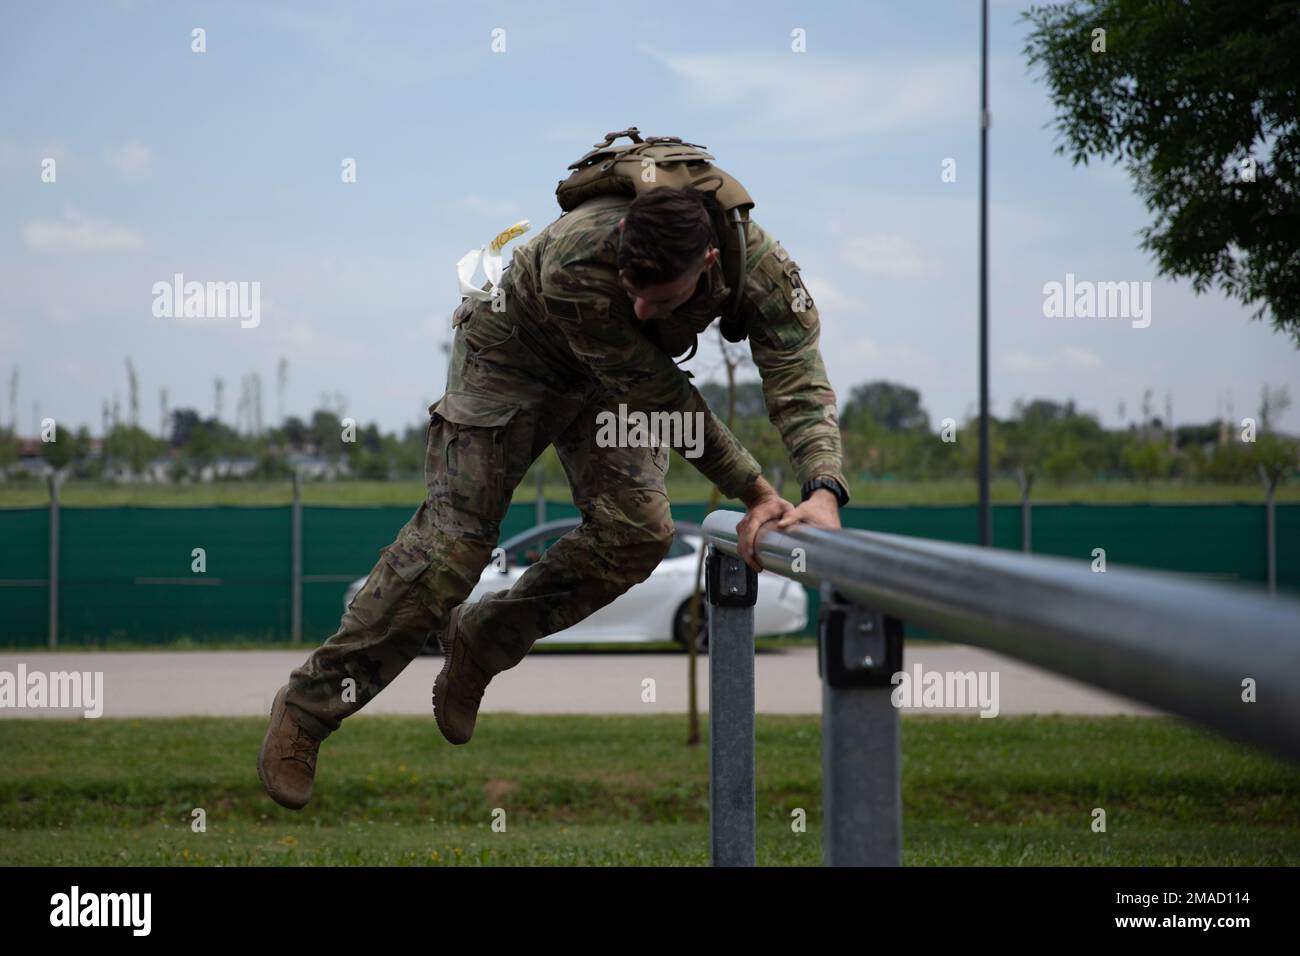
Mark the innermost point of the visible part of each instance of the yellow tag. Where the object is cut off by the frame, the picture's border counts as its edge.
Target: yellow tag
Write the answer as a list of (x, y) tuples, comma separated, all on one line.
[(518, 229)]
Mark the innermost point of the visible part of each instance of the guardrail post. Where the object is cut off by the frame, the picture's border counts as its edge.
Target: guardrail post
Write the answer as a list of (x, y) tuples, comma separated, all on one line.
[(1270, 526), (1026, 481), (858, 652), (54, 559), (295, 605), (732, 589)]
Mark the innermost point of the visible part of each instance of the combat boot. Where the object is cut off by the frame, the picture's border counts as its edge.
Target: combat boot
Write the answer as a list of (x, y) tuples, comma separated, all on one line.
[(286, 763), (459, 686)]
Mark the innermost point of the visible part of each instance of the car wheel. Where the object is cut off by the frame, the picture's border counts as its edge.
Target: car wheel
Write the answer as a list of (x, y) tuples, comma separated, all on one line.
[(682, 624)]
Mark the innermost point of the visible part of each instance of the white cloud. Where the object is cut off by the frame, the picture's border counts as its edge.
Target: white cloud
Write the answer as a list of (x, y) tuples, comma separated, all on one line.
[(1025, 362), (941, 223), (76, 233), (896, 257), (791, 96), (828, 296), (1076, 357), (1068, 356), (132, 160)]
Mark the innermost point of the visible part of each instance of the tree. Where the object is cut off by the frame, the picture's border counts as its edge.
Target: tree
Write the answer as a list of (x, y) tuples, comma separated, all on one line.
[(133, 393), (896, 408), (281, 383), (1147, 459), (184, 423), (131, 444), (13, 401), (1042, 412), (1274, 457), (997, 446), (1199, 100), (1063, 462), (1273, 402), (81, 444), (8, 450), (59, 452), (295, 432), (327, 432)]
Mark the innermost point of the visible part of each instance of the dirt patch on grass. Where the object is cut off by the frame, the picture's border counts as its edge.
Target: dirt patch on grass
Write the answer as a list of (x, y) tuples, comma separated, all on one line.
[(497, 791)]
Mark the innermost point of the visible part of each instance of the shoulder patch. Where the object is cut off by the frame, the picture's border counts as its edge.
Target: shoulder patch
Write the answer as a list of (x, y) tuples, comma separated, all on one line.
[(567, 309), (576, 310)]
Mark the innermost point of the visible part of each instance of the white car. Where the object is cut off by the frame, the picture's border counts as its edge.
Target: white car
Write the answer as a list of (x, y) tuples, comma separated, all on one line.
[(657, 609)]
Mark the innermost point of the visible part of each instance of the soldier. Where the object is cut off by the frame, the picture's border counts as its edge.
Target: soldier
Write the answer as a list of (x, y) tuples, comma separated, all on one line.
[(596, 306)]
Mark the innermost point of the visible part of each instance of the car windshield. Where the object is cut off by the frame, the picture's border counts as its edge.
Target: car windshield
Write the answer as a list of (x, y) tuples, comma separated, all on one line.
[(530, 549), (680, 549)]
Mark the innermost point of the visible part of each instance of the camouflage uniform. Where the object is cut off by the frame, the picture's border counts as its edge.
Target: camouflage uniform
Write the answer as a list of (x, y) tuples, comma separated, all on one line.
[(566, 348)]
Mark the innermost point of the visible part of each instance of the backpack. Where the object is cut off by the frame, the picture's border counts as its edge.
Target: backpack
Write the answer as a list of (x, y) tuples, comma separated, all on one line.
[(611, 169)]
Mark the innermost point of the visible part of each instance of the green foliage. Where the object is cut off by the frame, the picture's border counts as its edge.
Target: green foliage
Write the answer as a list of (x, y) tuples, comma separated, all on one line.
[(294, 432), (1064, 462), (1230, 463), (970, 447), (59, 452), (1274, 457), (371, 467), (327, 433), (1199, 101), (1146, 459), (885, 434), (892, 407), (132, 444), (271, 466), (8, 448)]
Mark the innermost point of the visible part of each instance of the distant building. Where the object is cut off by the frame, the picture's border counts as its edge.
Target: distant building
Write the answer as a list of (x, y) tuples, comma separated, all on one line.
[(317, 468), (228, 468), (31, 461), (30, 465)]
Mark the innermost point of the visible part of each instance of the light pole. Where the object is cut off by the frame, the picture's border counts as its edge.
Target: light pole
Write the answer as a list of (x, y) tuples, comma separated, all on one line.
[(986, 522)]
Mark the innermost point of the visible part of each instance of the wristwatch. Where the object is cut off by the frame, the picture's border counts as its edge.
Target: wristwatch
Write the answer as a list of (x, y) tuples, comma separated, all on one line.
[(830, 484)]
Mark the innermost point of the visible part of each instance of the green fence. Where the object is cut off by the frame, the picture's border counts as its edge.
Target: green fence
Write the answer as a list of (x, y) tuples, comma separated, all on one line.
[(127, 574)]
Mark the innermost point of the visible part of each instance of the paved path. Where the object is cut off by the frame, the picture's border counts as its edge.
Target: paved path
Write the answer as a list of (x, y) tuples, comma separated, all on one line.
[(242, 683)]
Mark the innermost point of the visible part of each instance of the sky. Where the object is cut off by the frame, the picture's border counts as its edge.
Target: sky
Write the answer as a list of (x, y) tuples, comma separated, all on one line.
[(227, 166)]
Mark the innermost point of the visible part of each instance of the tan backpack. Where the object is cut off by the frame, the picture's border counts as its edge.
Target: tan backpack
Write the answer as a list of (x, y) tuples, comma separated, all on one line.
[(643, 164)]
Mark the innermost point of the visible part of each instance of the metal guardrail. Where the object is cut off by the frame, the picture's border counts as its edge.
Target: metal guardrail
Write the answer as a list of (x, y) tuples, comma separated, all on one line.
[(1187, 648)]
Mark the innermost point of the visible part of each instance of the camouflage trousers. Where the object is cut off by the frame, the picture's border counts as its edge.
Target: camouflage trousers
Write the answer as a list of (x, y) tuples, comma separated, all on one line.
[(503, 407)]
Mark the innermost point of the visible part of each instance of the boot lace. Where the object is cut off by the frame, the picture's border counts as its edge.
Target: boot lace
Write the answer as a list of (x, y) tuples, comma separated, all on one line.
[(303, 748)]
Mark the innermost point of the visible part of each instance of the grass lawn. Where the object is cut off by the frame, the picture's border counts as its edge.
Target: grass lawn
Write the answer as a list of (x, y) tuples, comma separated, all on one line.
[(685, 488), (580, 790)]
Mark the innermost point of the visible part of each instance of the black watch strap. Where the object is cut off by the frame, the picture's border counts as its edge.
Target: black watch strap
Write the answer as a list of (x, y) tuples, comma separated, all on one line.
[(830, 484)]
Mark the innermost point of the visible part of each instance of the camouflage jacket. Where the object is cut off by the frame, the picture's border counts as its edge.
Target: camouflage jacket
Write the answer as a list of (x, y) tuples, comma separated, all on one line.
[(563, 285)]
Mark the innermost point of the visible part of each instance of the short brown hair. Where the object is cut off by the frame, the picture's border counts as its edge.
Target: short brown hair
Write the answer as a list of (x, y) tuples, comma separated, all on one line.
[(665, 232)]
